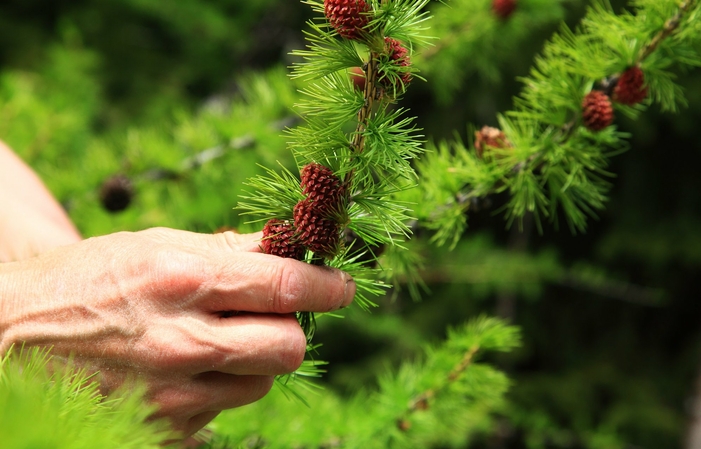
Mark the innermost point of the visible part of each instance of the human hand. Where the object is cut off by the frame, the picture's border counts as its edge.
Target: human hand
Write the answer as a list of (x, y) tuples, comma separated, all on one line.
[(152, 304)]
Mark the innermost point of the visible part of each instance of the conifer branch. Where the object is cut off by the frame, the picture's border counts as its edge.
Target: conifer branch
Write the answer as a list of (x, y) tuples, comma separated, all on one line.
[(421, 402), (347, 178), (370, 95), (555, 145), (609, 83), (670, 26)]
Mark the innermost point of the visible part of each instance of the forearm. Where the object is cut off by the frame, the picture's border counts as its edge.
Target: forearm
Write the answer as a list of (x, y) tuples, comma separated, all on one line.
[(31, 220)]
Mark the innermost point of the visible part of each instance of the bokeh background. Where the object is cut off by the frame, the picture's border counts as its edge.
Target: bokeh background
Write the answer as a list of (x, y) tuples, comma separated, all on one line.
[(185, 98)]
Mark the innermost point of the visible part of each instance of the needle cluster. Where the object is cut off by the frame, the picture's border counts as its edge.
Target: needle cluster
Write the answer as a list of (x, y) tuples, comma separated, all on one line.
[(355, 147), (562, 131)]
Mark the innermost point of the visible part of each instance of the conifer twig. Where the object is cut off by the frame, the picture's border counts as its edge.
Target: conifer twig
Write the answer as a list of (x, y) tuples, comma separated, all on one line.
[(538, 171), (421, 402), (370, 94), (669, 28)]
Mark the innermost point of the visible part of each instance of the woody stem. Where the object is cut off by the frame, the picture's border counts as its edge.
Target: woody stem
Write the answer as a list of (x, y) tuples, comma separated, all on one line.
[(370, 94), (670, 27), (419, 401)]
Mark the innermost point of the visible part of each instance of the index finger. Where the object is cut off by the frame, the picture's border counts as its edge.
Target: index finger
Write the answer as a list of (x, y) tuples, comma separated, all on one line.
[(256, 282)]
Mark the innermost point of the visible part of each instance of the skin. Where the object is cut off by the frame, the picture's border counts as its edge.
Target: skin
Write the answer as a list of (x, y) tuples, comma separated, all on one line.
[(157, 305), (31, 220)]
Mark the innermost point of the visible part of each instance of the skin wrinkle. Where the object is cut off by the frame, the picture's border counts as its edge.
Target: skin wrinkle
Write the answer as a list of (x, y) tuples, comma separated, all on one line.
[(223, 284), (289, 289), (236, 282)]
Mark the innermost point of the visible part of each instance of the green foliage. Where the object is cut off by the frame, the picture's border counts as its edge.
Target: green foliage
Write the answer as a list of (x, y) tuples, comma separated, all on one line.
[(471, 39), (553, 166), (372, 154), (463, 395), (83, 98), (45, 403), (149, 56), (184, 169)]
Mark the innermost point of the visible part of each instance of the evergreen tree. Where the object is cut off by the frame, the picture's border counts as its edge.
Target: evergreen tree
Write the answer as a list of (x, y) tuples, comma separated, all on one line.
[(550, 160)]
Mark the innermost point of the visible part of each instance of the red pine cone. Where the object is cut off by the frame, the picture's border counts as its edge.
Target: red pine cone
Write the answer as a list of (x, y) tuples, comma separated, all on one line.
[(347, 16), (322, 187), (318, 233), (503, 8), (489, 137), (597, 111), (398, 54), (630, 88), (279, 240)]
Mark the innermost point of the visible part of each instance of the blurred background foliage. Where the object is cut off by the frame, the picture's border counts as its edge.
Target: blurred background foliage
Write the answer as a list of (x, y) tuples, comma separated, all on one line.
[(185, 98)]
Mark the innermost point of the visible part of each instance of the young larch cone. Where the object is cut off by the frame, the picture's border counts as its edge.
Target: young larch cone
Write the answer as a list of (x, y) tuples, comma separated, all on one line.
[(116, 193), (317, 232), (630, 88), (347, 17), (490, 137), (279, 240), (597, 111), (399, 55), (322, 187), (503, 8)]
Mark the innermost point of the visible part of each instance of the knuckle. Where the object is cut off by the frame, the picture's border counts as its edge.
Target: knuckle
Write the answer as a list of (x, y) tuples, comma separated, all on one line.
[(289, 288), (177, 270)]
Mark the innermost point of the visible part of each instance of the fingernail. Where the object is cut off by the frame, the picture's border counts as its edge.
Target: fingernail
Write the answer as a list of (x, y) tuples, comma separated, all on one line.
[(349, 291)]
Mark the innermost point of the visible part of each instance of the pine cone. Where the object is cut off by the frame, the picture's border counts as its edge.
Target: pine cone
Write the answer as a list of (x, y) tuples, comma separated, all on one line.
[(399, 55), (503, 8), (322, 187), (490, 137), (597, 111), (279, 240), (314, 230), (630, 88), (116, 193), (347, 16)]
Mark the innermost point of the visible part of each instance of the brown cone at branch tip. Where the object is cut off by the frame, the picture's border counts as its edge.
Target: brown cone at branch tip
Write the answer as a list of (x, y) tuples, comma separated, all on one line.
[(347, 17), (490, 137), (597, 111), (279, 239), (116, 193), (503, 8), (630, 88)]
